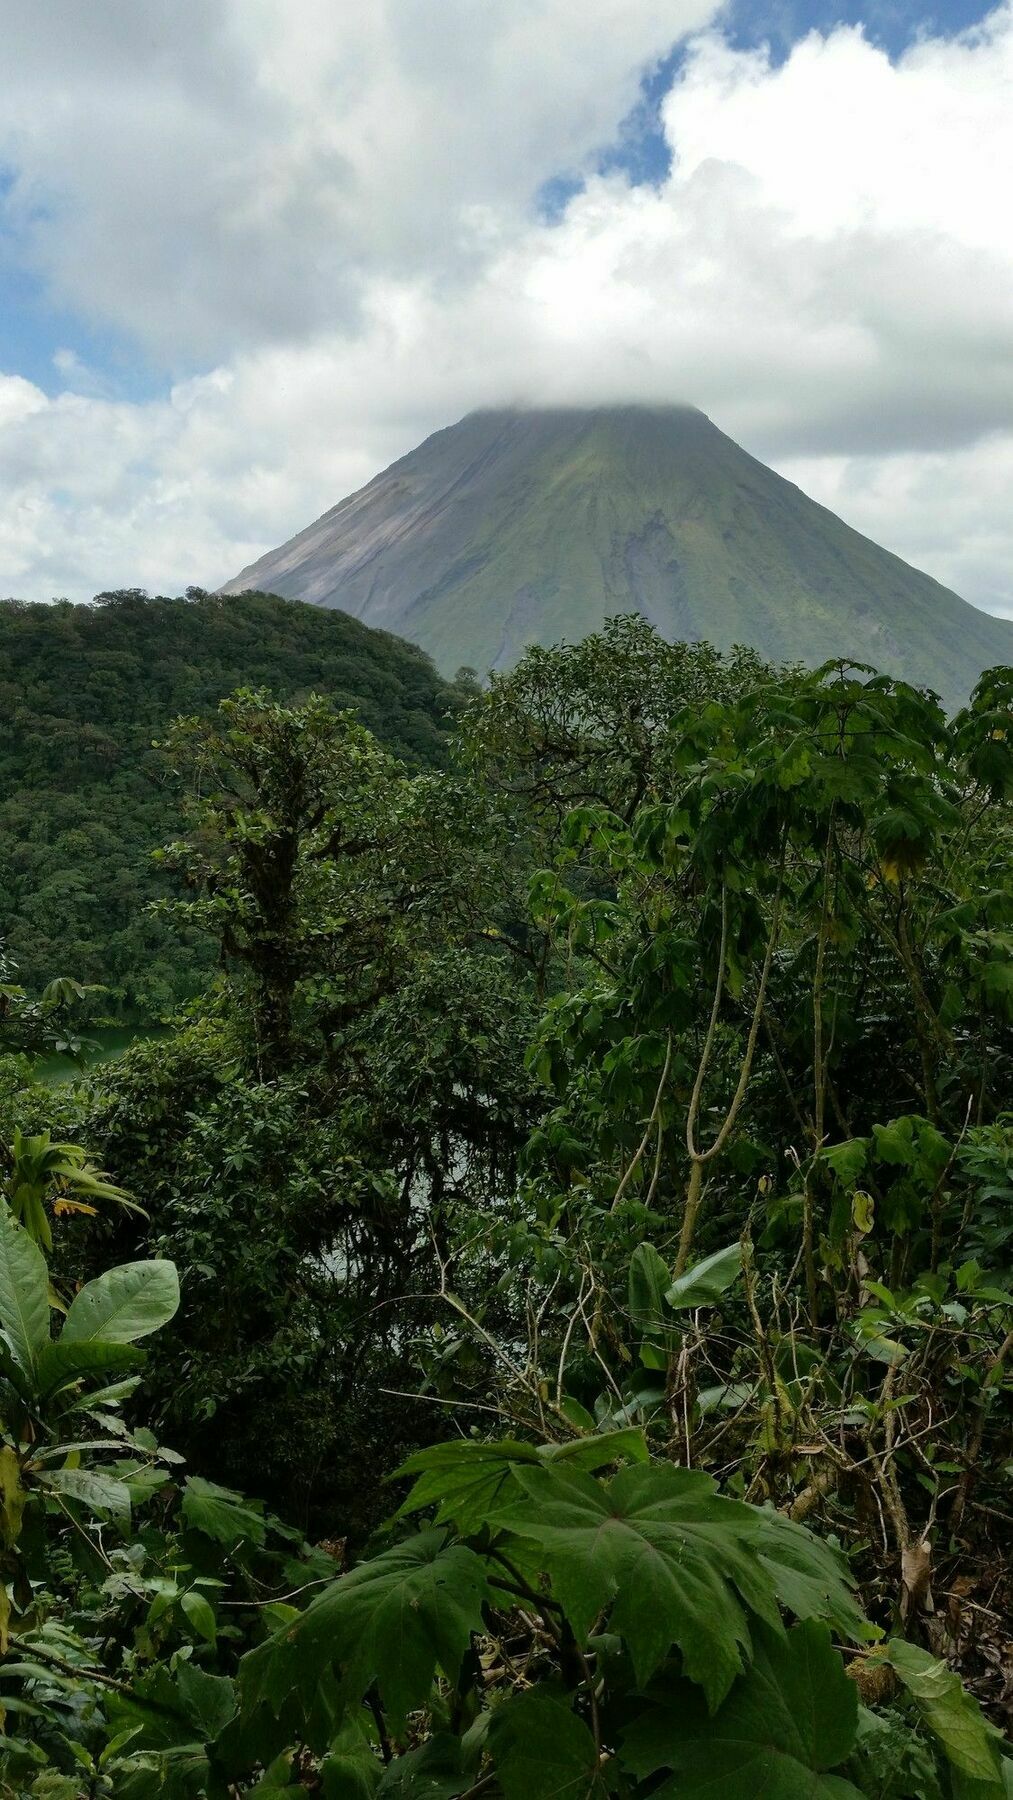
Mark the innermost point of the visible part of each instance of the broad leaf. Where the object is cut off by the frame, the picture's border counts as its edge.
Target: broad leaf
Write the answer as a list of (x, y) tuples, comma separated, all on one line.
[(278, 1780), (209, 1701), (434, 1771), (810, 1577), (12, 1499), (467, 1481), (352, 1770), (895, 1142), (391, 1621), (542, 1751), (123, 1304), (649, 1280), (62, 1363), (98, 1398), (706, 1281), (464, 1481), (221, 1514), (847, 1160), (598, 1450), (179, 1773), (787, 1723), (949, 1711), (670, 1556), (200, 1613), (101, 1494), (24, 1293)]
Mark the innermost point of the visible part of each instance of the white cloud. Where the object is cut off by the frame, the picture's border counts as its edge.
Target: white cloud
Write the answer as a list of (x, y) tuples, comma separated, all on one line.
[(221, 173), (343, 208), (948, 511)]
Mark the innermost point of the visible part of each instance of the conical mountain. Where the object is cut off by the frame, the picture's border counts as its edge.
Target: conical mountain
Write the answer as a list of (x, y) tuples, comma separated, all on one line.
[(519, 527)]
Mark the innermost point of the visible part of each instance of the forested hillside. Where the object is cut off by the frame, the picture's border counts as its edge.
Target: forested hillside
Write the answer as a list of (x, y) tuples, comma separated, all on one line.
[(84, 798), (574, 1239)]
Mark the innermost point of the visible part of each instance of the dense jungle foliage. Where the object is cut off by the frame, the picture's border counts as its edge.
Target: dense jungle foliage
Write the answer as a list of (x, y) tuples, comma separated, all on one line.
[(572, 1232), (84, 693)]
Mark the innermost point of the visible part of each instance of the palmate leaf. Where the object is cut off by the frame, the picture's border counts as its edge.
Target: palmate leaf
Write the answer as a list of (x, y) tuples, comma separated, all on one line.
[(391, 1621), (433, 1771), (675, 1562), (542, 1751), (221, 1514), (810, 1577), (352, 1770), (466, 1481), (787, 1723), (209, 1701), (178, 1773)]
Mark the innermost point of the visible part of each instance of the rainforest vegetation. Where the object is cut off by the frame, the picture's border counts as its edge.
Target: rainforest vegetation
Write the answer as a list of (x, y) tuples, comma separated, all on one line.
[(539, 1323), (85, 693)]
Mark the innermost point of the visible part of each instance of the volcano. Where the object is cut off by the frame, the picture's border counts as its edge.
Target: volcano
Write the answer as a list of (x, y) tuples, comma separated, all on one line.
[(516, 527)]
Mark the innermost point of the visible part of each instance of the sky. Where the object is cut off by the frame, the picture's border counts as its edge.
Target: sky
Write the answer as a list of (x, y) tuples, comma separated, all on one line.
[(253, 250)]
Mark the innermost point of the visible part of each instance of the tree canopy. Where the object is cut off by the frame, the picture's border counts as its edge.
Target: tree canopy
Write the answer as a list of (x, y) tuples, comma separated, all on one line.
[(86, 692), (539, 1323)]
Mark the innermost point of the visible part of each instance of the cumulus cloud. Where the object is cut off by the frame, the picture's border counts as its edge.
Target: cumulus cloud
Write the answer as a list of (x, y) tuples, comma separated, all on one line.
[(343, 215), (221, 173)]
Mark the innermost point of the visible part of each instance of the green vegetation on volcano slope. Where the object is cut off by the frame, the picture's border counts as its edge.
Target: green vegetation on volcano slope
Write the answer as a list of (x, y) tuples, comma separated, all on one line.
[(84, 796), (525, 527)]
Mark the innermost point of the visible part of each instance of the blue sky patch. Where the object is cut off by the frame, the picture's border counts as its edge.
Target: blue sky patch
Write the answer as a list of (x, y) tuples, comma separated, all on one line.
[(640, 151), (34, 330)]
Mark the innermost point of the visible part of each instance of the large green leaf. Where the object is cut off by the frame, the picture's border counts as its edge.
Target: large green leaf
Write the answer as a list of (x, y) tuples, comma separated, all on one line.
[(352, 1770), (200, 1615), (466, 1481), (672, 1558), (62, 1363), (123, 1304), (810, 1577), (391, 1621), (179, 1773), (951, 1713), (649, 1279), (787, 1723), (98, 1493), (707, 1280), (221, 1514), (847, 1160), (542, 1751), (599, 1450), (24, 1293), (433, 1771), (209, 1701)]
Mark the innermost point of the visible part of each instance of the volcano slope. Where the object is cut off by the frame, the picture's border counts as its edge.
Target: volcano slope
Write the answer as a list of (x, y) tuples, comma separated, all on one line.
[(518, 527)]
